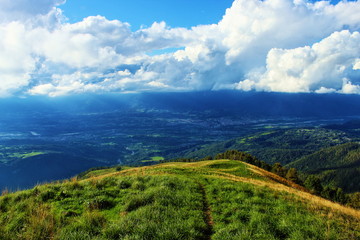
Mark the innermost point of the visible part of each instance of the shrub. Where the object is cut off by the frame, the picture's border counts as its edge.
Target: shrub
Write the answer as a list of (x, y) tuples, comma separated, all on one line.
[(292, 175), (278, 169), (314, 184), (354, 200)]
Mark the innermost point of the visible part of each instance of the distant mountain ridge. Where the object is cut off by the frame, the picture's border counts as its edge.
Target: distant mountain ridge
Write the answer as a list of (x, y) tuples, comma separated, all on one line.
[(283, 146), (336, 166), (251, 104)]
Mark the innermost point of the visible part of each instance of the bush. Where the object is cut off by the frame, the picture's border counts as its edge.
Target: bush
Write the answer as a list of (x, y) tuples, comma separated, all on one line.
[(314, 184), (292, 175), (278, 169), (354, 200)]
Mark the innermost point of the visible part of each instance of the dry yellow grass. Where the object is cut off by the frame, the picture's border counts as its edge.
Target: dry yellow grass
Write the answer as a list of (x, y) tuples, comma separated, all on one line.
[(274, 177)]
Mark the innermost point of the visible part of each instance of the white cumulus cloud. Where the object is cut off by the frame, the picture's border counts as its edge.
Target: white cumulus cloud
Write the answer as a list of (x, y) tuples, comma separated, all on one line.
[(318, 68), (270, 45)]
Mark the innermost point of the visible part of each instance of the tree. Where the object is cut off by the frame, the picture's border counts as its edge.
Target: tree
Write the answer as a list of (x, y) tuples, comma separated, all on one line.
[(265, 166), (354, 200), (314, 184), (292, 175), (278, 169), (340, 196), (329, 193)]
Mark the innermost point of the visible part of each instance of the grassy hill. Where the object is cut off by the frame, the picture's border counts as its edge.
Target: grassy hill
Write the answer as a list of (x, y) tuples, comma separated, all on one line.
[(336, 166), (219, 199)]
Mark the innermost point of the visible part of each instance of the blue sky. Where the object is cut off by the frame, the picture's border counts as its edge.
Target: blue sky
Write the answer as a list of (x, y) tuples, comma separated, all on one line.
[(64, 47), (176, 13)]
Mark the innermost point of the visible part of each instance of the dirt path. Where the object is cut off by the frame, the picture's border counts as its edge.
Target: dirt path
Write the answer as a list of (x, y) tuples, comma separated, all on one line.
[(207, 213)]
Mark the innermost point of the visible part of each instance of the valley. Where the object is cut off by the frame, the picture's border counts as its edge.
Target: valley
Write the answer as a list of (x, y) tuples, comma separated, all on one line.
[(58, 139)]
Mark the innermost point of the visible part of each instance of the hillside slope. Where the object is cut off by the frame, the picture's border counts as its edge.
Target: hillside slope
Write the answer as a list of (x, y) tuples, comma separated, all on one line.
[(219, 199), (271, 145), (336, 166)]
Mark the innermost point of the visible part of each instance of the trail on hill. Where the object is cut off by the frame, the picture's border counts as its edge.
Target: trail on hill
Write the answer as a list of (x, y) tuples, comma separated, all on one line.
[(207, 213)]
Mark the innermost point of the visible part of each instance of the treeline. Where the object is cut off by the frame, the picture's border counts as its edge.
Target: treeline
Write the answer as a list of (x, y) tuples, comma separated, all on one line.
[(336, 166), (312, 183), (336, 194), (289, 174)]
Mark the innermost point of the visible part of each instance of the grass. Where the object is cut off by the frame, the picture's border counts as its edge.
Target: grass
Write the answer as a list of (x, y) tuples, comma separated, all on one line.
[(245, 211), (157, 158), (109, 144), (258, 135), (218, 199), (154, 159), (27, 155), (9, 154), (99, 172)]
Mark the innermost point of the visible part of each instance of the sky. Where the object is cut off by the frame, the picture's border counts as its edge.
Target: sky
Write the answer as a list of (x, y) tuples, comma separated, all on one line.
[(65, 47), (143, 13)]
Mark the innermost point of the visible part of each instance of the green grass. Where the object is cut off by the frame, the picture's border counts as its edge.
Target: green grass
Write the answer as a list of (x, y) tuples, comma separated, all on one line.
[(109, 144), (99, 172), (169, 201), (244, 211), (13, 153), (154, 159), (26, 155), (152, 207), (267, 133)]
